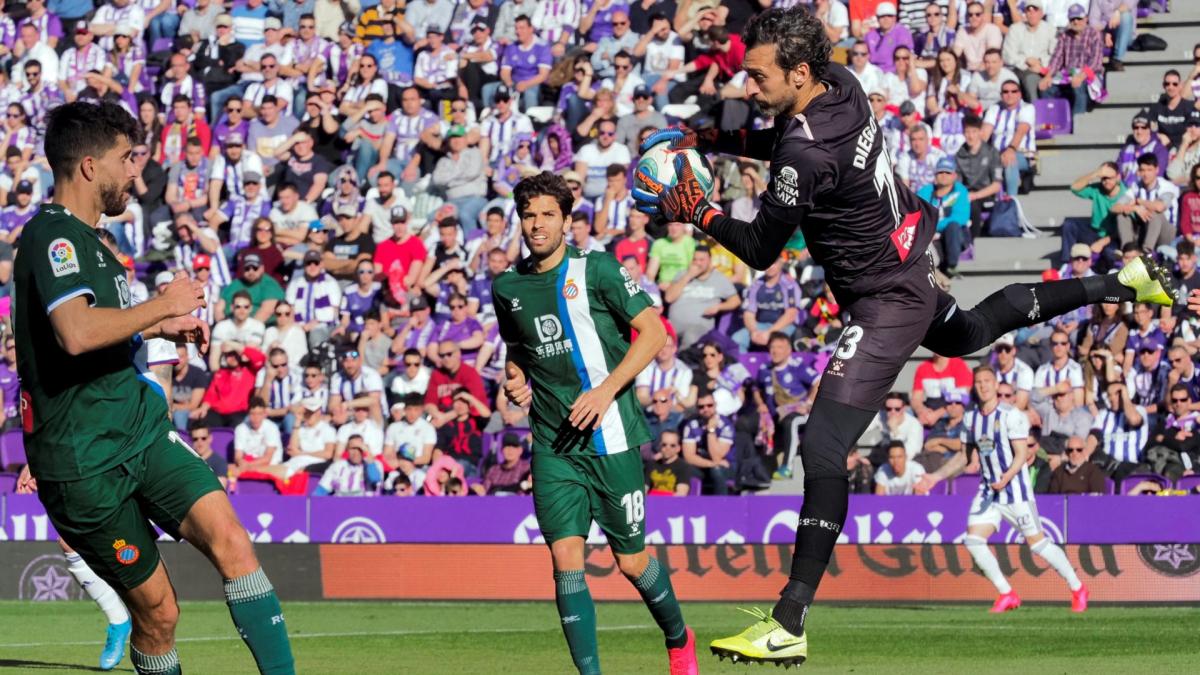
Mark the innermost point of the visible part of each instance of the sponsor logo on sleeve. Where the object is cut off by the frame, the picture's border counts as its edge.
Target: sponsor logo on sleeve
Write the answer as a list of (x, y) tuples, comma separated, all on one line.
[(787, 186), (63, 260)]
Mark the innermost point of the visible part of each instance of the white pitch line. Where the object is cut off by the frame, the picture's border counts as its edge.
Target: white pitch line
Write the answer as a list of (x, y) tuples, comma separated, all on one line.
[(300, 636)]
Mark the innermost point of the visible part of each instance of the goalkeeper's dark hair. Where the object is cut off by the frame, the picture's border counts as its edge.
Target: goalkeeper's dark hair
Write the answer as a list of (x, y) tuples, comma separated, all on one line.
[(798, 36), (78, 130), (544, 184)]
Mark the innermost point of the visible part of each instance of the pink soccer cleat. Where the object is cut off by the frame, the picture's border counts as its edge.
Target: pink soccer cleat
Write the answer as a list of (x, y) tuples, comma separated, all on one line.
[(1079, 599), (1006, 603), (683, 659)]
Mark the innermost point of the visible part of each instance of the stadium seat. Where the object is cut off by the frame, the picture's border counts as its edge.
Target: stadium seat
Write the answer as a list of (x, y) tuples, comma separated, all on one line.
[(1110, 486), (1053, 117), (254, 486), (965, 484), (754, 361), (8, 483), (1187, 483), (12, 450), (695, 486), (222, 442), (1133, 479)]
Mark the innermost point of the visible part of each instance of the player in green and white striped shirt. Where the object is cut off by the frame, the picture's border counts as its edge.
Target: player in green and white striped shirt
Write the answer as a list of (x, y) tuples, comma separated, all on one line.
[(566, 316)]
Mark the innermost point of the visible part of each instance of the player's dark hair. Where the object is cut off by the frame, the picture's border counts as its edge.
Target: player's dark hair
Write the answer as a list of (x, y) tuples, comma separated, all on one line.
[(1147, 159), (779, 335), (544, 184), (256, 402), (77, 130), (1185, 247), (798, 37)]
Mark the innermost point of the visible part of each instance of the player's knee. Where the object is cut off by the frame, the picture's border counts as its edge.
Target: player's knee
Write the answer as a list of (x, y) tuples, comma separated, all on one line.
[(155, 621), (973, 542), (233, 552)]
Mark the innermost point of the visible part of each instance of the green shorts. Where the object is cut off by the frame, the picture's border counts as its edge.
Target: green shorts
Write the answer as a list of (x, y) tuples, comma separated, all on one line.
[(569, 491), (106, 518)]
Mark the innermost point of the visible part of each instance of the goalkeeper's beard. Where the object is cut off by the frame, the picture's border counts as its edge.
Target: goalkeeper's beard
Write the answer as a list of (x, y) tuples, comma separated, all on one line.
[(777, 108)]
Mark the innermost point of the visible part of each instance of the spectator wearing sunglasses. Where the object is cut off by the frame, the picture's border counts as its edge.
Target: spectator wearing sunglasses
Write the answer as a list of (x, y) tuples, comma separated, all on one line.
[(287, 334), (201, 437), (316, 297), (1141, 140), (1076, 475)]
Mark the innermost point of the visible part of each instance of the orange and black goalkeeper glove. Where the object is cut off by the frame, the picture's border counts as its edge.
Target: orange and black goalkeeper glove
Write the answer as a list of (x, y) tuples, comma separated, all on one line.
[(685, 202)]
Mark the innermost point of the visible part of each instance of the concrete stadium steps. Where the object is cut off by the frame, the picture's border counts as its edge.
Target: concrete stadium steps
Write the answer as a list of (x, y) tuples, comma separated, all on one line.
[(1010, 256), (1062, 164)]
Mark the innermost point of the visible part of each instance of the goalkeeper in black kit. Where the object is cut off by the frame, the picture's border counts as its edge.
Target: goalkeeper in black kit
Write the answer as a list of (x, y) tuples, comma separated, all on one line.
[(832, 177)]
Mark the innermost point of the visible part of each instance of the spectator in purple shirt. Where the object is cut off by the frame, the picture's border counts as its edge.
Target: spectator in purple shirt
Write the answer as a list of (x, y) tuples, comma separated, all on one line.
[(14, 216), (10, 386), (883, 41), (772, 304), (524, 66), (708, 445), (460, 329)]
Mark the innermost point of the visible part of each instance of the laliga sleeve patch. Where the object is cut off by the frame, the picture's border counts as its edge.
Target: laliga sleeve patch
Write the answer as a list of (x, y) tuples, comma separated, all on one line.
[(63, 260)]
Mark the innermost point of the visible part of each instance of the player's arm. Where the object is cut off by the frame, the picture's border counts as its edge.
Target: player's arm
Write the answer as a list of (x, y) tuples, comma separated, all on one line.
[(589, 408), (807, 173), (1020, 448), (81, 328)]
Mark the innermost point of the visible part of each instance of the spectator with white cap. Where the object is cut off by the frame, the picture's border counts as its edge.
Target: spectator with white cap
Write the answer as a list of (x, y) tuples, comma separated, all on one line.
[(890, 34), (1029, 46), (1012, 370)]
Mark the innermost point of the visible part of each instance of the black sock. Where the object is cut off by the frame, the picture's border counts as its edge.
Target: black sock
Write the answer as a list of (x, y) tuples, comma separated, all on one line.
[(1021, 305), (826, 501)]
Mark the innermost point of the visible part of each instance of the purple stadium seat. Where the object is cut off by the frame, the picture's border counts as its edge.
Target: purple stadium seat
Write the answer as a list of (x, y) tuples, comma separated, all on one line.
[(222, 442), (695, 487), (314, 481), (1110, 486), (1187, 483), (754, 361), (942, 488), (8, 483), (12, 450), (965, 484), (1053, 117), (256, 487), (161, 45), (1133, 479)]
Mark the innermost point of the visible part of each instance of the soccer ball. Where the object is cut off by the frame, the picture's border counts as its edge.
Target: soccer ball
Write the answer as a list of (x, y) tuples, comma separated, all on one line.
[(659, 163)]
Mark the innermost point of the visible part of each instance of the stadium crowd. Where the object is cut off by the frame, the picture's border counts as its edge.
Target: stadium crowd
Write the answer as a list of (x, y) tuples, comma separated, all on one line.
[(339, 175)]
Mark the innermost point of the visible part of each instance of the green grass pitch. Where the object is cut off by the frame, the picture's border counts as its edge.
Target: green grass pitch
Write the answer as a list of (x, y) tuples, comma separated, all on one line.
[(375, 637)]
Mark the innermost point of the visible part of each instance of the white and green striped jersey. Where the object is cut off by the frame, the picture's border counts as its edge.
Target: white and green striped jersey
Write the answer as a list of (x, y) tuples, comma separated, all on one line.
[(568, 328)]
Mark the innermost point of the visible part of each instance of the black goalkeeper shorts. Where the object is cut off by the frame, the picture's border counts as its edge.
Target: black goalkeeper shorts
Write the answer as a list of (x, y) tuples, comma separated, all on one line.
[(884, 330)]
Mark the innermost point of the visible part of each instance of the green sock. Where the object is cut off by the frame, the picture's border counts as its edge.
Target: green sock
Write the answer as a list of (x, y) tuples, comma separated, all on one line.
[(259, 619), (655, 587), (578, 615), (155, 664)]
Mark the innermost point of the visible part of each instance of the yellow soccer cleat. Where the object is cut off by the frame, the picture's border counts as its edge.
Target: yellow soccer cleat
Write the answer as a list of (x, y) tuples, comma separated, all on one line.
[(765, 641), (1150, 280)]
